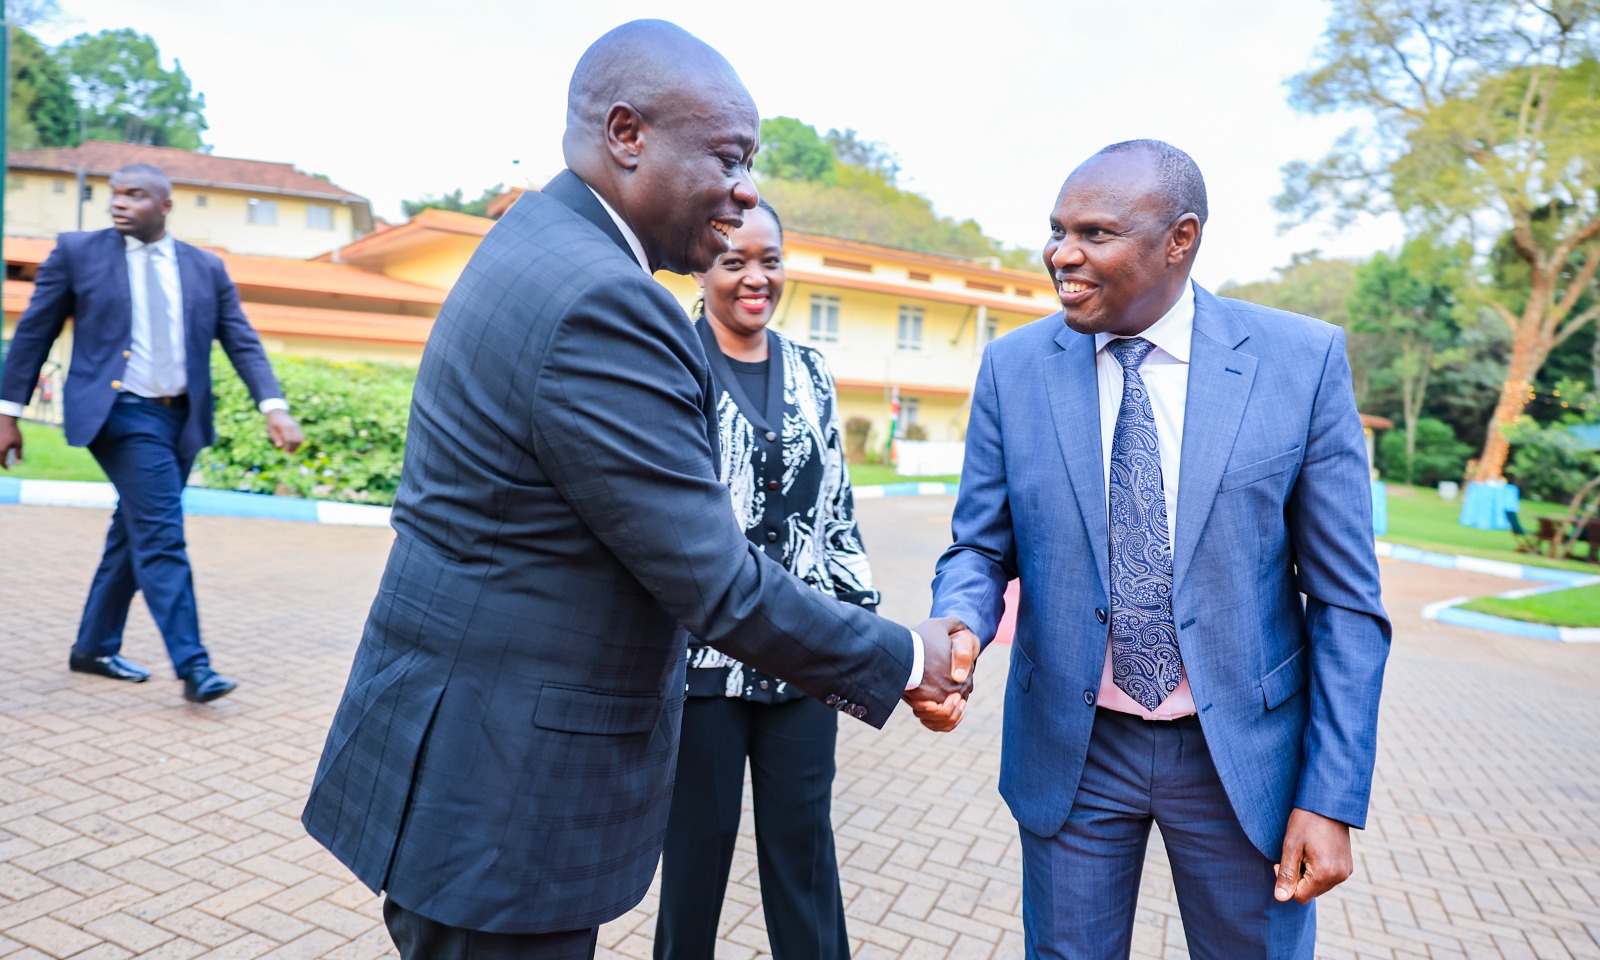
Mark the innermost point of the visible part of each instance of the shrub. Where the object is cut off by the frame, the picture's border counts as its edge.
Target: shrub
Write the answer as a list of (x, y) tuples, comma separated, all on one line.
[(1548, 463), (1439, 455), (354, 416), (914, 431), (857, 430)]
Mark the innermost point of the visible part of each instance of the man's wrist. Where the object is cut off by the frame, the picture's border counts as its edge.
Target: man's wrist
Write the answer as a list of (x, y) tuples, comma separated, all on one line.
[(273, 403), (917, 658)]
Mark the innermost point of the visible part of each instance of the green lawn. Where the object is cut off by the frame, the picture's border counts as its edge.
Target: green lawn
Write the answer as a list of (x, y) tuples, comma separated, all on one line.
[(46, 456), (1419, 517), (1575, 607), (864, 474)]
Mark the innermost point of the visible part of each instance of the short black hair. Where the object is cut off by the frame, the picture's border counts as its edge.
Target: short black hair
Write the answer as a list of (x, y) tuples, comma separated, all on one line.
[(146, 170), (1182, 186), (764, 205)]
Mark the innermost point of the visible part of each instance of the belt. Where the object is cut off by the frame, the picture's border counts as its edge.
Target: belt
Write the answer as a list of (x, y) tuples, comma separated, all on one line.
[(181, 401)]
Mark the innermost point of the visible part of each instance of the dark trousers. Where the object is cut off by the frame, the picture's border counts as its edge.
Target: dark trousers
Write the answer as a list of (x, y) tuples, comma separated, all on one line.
[(790, 747), (1079, 887), (419, 938), (145, 548)]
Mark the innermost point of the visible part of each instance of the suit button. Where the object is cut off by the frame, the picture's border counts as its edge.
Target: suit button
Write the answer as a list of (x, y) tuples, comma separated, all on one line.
[(764, 684), (1088, 697), (772, 484), (771, 436), (126, 354), (772, 537), (857, 711), (831, 700), (116, 384), (1100, 614)]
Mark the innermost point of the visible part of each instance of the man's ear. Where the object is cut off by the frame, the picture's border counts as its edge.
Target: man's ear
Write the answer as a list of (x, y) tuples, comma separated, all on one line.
[(1183, 238), (625, 135)]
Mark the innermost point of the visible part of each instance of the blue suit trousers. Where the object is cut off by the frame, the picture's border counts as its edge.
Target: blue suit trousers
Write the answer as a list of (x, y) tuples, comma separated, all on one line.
[(1080, 886), (145, 548)]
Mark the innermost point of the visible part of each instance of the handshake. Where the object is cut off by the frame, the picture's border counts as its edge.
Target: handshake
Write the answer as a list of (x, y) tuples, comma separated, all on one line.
[(949, 651)]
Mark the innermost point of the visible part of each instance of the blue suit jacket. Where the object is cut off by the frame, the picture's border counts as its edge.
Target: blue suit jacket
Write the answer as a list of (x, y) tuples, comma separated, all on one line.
[(1273, 502), (86, 278), (503, 756)]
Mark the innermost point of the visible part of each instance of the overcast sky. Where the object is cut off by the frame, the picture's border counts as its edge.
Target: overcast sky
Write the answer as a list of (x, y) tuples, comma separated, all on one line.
[(987, 105)]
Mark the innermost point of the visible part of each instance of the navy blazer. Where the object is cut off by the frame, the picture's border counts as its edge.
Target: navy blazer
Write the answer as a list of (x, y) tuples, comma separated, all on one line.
[(86, 278), (502, 758), (1274, 501)]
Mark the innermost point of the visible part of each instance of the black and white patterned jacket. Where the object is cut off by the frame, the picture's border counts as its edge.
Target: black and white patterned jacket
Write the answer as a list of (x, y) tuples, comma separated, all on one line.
[(791, 494)]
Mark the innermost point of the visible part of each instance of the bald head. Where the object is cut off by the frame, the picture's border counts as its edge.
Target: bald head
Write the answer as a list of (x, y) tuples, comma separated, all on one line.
[(1177, 177), (661, 127)]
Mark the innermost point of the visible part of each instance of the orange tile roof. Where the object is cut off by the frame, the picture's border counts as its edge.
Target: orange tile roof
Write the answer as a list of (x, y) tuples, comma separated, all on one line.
[(961, 265), (426, 224), (272, 273), (101, 158), (322, 324), (499, 205)]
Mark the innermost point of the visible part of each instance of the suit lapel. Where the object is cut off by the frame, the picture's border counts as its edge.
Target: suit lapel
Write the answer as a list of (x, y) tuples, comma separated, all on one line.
[(1220, 378), (573, 193), (1074, 405)]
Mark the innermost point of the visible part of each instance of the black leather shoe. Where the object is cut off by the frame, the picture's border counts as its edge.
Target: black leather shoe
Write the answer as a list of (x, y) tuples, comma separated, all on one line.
[(205, 685), (113, 666)]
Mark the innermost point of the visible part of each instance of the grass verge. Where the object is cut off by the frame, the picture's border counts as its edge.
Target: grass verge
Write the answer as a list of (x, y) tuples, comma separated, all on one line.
[(46, 456), (1574, 607)]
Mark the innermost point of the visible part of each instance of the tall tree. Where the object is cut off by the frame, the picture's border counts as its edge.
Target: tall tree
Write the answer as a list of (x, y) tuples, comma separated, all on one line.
[(1487, 113), (1408, 303), (791, 150), (454, 200), (127, 95), (43, 112)]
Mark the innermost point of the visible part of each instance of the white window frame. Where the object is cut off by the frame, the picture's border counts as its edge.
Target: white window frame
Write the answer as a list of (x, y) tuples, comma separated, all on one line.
[(908, 329), (315, 208), (824, 318), (262, 213)]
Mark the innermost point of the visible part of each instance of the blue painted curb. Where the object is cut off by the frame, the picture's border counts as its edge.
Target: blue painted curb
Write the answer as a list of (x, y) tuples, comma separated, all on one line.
[(1449, 611), (906, 489), (1497, 568), (197, 501)]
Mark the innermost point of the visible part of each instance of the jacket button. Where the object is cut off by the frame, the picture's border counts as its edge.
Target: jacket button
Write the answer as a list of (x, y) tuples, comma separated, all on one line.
[(772, 484), (831, 700), (764, 684), (126, 354), (772, 537), (771, 436), (1088, 697), (858, 711), (1100, 614), (116, 384)]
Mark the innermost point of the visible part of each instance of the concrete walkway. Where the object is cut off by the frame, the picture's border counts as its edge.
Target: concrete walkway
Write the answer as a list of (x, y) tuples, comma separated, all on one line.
[(135, 824)]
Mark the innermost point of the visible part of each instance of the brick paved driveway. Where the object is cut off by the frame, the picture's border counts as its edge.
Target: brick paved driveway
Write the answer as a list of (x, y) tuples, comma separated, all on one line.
[(135, 824)]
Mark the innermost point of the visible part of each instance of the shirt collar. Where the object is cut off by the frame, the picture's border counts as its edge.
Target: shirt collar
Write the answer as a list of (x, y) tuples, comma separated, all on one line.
[(627, 232), (1172, 333), (165, 244)]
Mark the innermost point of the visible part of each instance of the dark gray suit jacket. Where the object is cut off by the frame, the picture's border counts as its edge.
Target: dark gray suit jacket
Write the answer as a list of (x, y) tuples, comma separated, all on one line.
[(502, 759)]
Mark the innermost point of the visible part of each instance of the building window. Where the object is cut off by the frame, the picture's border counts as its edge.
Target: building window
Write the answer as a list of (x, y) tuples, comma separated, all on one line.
[(58, 186), (824, 318), (910, 336), (991, 329), (909, 409), (201, 200), (319, 217), (264, 212), (88, 192)]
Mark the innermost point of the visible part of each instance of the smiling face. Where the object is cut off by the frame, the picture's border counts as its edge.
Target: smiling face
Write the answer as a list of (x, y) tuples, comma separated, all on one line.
[(691, 184), (1118, 262), (139, 206), (745, 285)]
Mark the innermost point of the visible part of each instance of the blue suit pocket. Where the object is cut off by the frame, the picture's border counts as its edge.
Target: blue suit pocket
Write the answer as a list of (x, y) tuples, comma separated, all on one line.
[(1286, 679), (1021, 667), (584, 711), (1259, 470)]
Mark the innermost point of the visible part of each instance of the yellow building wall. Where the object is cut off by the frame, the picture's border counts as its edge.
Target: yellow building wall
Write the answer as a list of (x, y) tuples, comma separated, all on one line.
[(437, 264), (40, 204)]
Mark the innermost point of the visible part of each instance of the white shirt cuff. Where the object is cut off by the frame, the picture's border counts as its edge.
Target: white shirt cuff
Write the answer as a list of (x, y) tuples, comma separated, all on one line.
[(10, 408), (275, 403), (916, 661)]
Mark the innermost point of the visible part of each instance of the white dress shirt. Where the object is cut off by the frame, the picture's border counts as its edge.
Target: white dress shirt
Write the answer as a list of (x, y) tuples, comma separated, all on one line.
[(917, 655), (140, 377), (1165, 372)]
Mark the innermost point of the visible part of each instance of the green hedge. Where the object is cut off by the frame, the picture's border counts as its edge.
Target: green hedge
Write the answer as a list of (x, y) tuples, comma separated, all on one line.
[(354, 417)]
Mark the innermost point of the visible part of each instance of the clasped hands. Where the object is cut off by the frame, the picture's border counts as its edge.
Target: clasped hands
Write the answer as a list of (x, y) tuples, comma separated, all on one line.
[(949, 651)]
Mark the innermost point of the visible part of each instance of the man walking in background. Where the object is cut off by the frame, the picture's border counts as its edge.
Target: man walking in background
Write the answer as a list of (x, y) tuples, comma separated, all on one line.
[(145, 309), (1165, 669)]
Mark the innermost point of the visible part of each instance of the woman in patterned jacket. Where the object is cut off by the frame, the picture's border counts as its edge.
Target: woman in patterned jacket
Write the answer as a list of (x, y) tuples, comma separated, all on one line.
[(783, 461)]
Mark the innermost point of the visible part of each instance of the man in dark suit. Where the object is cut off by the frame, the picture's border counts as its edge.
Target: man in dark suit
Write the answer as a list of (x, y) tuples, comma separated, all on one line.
[(145, 309), (1181, 484), (502, 760)]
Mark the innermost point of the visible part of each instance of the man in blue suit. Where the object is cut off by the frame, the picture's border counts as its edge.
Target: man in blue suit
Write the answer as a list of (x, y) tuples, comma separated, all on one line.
[(1168, 472), (145, 309)]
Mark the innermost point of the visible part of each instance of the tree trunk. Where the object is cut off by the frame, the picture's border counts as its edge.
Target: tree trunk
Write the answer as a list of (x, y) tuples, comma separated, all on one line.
[(1527, 355)]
